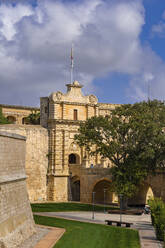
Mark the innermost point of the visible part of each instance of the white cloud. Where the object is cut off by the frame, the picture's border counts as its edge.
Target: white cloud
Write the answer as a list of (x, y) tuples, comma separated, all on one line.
[(9, 16), (159, 28), (35, 47)]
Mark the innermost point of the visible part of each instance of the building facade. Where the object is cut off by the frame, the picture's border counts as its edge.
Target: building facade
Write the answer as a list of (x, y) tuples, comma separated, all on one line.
[(57, 168), (72, 173)]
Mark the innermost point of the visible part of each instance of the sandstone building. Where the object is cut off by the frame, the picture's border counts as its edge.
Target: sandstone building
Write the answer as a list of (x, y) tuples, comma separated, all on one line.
[(58, 169), (16, 221), (17, 114)]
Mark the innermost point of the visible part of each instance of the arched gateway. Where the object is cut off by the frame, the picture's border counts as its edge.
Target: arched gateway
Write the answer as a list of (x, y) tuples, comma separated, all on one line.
[(75, 188), (103, 192), (142, 196)]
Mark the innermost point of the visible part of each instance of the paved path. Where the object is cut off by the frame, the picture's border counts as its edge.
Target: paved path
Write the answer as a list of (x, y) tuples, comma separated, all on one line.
[(49, 240), (140, 222)]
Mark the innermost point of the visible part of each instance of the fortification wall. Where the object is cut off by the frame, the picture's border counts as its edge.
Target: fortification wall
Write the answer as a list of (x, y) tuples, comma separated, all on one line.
[(16, 221), (36, 158)]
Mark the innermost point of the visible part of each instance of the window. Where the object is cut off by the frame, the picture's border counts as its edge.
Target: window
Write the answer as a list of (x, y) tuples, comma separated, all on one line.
[(75, 112), (72, 159)]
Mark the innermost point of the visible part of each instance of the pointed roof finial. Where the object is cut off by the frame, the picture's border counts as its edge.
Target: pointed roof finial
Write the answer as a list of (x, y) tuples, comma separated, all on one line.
[(76, 83)]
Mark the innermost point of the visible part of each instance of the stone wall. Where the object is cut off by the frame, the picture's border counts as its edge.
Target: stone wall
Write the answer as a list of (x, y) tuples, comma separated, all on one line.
[(106, 108), (16, 221), (36, 158), (90, 177)]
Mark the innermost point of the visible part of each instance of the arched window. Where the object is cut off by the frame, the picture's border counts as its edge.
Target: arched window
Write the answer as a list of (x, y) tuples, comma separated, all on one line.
[(72, 159)]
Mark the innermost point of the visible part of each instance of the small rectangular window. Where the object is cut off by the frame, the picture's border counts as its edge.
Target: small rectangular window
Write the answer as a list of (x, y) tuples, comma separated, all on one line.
[(75, 115)]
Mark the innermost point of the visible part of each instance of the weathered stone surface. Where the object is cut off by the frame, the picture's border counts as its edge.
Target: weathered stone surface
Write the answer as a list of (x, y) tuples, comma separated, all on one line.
[(16, 221), (36, 158)]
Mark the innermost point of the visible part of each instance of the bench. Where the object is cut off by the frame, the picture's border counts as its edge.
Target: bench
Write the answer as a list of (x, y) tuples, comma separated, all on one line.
[(118, 223)]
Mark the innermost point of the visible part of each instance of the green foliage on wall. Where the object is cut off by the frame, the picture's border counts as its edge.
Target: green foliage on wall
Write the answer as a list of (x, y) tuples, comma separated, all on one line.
[(3, 119), (33, 118)]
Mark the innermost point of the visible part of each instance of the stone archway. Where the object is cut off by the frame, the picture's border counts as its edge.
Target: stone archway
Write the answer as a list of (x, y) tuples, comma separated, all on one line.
[(11, 119), (149, 194), (75, 188), (103, 192), (142, 196)]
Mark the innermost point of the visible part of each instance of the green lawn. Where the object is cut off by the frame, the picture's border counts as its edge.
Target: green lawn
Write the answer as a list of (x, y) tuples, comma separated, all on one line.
[(61, 207), (87, 235)]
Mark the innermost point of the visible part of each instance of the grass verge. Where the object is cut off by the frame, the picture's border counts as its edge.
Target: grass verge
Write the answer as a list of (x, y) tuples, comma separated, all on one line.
[(85, 235), (61, 207)]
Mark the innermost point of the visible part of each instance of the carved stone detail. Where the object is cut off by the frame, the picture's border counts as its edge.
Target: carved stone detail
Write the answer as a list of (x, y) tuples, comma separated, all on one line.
[(93, 99)]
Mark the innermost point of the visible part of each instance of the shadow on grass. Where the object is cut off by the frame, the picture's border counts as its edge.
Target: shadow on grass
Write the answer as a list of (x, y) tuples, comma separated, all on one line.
[(62, 207)]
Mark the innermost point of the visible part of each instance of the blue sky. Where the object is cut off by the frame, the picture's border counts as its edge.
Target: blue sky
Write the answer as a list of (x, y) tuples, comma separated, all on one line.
[(119, 50), (118, 90)]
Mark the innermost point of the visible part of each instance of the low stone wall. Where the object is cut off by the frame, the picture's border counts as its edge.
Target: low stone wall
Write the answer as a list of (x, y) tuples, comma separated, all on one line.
[(16, 221)]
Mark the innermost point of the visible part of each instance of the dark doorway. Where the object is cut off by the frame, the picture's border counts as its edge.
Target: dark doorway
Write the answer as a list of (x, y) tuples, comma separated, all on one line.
[(75, 188)]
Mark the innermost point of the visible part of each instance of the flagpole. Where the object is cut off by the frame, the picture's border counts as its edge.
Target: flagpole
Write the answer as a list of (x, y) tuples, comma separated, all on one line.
[(72, 64)]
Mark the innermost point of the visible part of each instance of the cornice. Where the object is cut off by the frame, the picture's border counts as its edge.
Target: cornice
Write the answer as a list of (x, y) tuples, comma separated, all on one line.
[(75, 103), (18, 107), (62, 121)]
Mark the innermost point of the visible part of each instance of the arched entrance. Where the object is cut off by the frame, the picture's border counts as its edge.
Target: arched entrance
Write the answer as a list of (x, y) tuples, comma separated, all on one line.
[(142, 196), (11, 119), (75, 188), (74, 158), (149, 194), (103, 193)]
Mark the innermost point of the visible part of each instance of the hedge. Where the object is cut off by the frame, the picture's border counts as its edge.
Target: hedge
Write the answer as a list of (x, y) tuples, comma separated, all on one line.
[(157, 207)]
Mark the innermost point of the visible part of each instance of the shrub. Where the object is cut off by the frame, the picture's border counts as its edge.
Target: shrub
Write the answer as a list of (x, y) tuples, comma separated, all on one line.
[(160, 225), (3, 119), (158, 217), (33, 118)]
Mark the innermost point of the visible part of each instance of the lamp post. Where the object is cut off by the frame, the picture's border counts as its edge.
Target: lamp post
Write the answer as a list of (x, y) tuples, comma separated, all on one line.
[(120, 207), (104, 199), (93, 200)]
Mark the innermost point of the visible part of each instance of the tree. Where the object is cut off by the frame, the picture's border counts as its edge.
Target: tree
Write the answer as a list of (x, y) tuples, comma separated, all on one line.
[(132, 138), (3, 119), (33, 118)]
